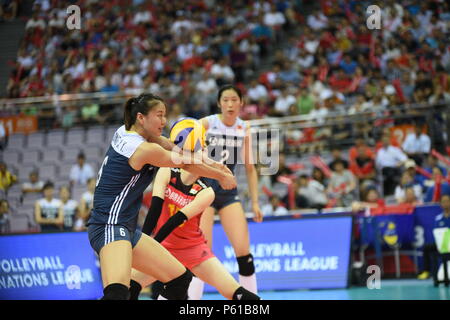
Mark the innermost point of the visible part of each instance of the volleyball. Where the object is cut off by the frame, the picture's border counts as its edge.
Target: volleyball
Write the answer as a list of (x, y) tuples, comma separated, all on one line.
[(188, 134)]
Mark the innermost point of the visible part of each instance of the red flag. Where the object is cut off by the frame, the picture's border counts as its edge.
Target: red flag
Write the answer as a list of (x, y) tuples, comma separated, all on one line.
[(423, 172), (440, 157), (266, 191), (398, 89), (319, 163), (437, 189)]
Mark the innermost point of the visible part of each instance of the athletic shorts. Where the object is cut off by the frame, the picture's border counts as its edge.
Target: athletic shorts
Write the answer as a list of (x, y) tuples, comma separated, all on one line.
[(223, 197), (193, 256), (102, 234)]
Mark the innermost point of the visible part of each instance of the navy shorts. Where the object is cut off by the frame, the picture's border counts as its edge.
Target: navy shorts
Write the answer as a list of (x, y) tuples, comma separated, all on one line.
[(223, 197), (102, 234)]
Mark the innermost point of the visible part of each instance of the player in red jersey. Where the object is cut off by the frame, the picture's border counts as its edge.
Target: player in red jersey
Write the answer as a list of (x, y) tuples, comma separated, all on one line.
[(179, 198)]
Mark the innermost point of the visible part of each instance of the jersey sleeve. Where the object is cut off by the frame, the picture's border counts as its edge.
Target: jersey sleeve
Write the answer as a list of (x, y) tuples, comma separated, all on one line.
[(125, 143)]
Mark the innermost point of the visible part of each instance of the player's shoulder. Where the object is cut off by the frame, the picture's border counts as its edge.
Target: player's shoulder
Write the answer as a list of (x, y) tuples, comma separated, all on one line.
[(202, 183), (126, 142)]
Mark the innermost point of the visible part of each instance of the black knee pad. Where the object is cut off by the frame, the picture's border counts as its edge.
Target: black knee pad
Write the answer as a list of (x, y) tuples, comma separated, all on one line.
[(156, 289), (246, 265), (177, 289), (243, 294), (135, 289), (116, 291)]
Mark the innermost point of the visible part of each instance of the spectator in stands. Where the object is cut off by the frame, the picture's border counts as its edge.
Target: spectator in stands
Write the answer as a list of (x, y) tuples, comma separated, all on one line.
[(431, 162), (293, 199), (417, 145), (371, 199), (10, 7), (436, 187), (274, 207), (36, 22), (283, 170), (341, 133), (336, 155), (86, 204), (81, 172), (359, 148), (348, 65), (4, 216), (34, 185), (342, 185), (284, 102), (318, 175), (407, 182), (7, 179), (410, 166), (48, 210), (441, 221), (205, 91), (411, 198), (317, 21), (389, 160), (274, 19), (305, 101), (257, 92), (222, 72), (70, 208), (363, 167), (313, 191)]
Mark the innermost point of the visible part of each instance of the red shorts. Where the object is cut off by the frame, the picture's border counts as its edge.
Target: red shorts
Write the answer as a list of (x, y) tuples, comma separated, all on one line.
[(192, 256)]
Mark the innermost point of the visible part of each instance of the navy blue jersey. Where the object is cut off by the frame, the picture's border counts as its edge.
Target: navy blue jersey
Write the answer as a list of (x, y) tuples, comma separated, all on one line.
[(441, 221), (119, 189)]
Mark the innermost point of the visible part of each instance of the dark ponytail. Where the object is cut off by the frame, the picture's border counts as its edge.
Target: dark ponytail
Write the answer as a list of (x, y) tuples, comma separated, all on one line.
[(141, 104)]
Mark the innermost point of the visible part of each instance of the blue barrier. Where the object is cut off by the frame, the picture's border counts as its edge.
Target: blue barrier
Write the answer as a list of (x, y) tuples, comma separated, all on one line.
[(55, 266), (304, 253), (402, 229)]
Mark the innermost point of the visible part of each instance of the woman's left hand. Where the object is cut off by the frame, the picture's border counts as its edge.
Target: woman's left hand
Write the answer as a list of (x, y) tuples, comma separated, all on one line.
[(258, 215)]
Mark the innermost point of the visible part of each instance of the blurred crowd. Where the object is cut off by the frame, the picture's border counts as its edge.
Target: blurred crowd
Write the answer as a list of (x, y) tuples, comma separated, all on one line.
[(54, 209), (327, 60)]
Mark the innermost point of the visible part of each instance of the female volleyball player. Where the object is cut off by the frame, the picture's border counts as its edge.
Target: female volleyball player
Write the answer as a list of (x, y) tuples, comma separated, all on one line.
[(126, 171), (181, 197), (228, 137)]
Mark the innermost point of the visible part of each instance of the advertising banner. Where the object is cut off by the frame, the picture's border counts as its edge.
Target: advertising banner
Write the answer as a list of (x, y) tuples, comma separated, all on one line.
[(305, 253), (58, 266)]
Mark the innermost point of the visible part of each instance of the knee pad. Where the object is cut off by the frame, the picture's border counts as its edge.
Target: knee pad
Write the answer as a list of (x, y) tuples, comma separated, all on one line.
[(116, 291), (156, 289), (246, 265), (135, 289), (243, 294), (177, 288)]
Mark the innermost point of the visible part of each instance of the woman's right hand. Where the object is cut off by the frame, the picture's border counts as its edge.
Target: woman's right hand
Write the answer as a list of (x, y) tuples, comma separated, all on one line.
[(228, 182)]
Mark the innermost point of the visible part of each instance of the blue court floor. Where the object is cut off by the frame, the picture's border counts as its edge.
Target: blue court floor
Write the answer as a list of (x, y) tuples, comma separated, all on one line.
[(409, 289), (404, 289)]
